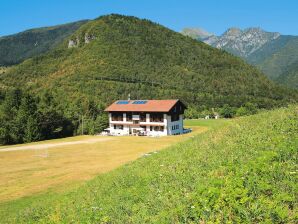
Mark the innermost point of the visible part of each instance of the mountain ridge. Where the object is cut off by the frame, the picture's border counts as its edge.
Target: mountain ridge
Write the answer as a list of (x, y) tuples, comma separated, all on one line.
[(18, 47), (271, 52), (242, 42), (191, 70)]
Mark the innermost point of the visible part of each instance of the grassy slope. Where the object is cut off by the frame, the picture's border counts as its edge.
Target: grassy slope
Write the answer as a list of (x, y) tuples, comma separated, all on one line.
[(127, 48), (210, 123), (18, 47), (242, 172)]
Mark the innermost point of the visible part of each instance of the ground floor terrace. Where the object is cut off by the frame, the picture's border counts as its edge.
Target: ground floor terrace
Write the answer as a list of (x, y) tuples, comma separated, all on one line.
[(136, 129)]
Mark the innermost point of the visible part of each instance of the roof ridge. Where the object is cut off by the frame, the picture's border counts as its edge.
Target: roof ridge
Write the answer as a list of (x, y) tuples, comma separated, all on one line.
[(143, 105)]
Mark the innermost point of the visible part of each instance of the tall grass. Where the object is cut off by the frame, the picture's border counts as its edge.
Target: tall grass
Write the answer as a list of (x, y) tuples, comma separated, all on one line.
[(244, 172)]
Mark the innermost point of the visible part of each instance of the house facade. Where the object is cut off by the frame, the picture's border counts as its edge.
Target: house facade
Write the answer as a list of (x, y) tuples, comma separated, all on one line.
[(146, 117)]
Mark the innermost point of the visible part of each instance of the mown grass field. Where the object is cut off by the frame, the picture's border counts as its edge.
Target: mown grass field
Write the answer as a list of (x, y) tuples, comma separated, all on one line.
[(27, 172), (242, 172)]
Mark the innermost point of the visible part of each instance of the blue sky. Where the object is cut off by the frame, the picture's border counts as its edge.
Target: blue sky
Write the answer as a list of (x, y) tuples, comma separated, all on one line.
[(213, 15)]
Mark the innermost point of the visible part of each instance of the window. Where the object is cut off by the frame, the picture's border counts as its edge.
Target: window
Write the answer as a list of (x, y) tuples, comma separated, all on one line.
[(128, 116), (117, 117), (158, 128), (142, 117), (156, 117), (175, 117), (119, 127), (175, 127)]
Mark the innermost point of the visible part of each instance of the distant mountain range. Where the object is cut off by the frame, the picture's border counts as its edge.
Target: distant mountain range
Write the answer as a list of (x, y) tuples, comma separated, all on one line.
[(113, 56), (275, 54), (18, 47)]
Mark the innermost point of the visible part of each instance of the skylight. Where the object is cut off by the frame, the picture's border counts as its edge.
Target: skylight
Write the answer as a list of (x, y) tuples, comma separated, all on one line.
[(122, 102), (140, 102)]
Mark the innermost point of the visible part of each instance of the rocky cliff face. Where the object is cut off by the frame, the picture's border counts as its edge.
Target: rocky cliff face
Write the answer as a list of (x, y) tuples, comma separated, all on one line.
[(76, 42), (239, 42), (242, 42)]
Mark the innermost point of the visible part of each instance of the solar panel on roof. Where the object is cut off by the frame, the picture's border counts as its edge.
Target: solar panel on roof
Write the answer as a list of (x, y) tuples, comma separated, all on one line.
[(140, 102), (122, 102)]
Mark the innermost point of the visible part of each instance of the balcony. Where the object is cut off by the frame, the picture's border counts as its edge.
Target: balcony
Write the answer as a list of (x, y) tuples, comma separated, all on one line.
[(156, 120), (135, 117), (117, 118)]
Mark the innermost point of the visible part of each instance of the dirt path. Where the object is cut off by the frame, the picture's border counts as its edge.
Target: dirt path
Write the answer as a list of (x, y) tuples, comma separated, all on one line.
[(52, 145)]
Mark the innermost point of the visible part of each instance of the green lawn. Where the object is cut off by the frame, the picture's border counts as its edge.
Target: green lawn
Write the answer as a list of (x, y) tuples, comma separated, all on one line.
[(241, 172), (210, 123)]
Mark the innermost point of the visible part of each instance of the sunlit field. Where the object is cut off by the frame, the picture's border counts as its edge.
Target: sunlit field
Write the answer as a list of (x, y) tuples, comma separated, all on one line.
[(57, 168), (241, 171)]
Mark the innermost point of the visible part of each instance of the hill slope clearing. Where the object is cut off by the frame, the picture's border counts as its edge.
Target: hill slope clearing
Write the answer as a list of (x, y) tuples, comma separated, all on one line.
[(244, 172), (18, 47)]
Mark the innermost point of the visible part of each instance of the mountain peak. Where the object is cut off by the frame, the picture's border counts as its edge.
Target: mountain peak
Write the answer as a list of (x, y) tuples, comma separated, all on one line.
[(196, 33), (242, 42), (233, 31)]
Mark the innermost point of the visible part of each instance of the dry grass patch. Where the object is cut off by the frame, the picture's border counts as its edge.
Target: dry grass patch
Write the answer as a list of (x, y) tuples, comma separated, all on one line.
[(58, 166)]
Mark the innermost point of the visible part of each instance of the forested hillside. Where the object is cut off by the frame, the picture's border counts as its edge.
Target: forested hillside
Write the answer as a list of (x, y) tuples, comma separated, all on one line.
[(113, 56), (18, 47)]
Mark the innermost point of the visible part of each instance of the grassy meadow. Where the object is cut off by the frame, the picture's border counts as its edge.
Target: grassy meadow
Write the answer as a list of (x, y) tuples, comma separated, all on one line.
[(241, 172), (60, 167)]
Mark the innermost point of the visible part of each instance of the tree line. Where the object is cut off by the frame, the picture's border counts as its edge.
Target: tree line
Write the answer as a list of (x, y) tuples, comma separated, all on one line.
[(226, 111), (26, 118)]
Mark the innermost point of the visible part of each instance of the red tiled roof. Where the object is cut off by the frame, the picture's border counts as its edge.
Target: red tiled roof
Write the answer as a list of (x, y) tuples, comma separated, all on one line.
[(149, 106)]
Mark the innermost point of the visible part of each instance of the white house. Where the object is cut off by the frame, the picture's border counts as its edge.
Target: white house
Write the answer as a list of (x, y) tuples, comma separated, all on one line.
[(146, 117)]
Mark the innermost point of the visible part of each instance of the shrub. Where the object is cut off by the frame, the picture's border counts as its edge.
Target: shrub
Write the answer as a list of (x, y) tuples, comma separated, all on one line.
[(247, 109), (227, 111)]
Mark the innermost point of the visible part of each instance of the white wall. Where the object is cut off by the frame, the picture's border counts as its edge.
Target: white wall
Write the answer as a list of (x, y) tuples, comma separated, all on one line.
[(166, 122), (124, 131), (174, 123)]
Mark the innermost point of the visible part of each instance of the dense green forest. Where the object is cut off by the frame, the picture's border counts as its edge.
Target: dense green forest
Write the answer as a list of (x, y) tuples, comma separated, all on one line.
[(115, 55), (25, 118), (18, 47)]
